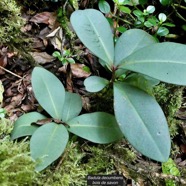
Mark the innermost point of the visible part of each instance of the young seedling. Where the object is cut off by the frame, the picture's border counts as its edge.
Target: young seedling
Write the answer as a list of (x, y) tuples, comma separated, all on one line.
[(49, 136)]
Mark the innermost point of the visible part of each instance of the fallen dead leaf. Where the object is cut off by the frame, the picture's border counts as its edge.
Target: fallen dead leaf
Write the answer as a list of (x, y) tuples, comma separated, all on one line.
[(42, 57), (48, 18), (56, 38), (78, 70)]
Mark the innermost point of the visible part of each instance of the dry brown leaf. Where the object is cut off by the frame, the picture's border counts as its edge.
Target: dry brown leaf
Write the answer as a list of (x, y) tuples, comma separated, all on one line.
[(38, 43), (56, 38), (77, 70), (42, 57), (48, 18)]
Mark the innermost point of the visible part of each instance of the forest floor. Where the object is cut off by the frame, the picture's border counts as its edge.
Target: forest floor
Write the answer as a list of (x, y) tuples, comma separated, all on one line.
[(43, 34)]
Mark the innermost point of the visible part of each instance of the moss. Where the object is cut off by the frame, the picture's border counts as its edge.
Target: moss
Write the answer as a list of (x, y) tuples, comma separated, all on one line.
[(77, 162), (170, 98), (16, 167), (10, 23)]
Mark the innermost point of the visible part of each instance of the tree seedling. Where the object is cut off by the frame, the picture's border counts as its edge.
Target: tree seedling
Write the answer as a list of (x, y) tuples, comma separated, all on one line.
[(49, 136), (138, 114)]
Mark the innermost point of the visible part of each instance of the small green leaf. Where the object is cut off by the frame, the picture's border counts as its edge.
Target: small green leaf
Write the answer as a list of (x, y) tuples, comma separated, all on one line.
[(169, 24), (164, 61), (23, 127), (131, 41), (148, 24), (2, 113), (97, 127), (95, 83), (56, 54), (86, 69), (138, 13), (142, 121), (165, 2), (104, 6), (121, 29), (150, 9), (151, 22), (72, 106), (48, 91), (47, 144), (125, 9), (162, 31), (162, 17), (70, 60)]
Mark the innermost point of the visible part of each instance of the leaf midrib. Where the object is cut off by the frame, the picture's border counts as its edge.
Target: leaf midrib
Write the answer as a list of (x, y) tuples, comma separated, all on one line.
[(101, 41), (130, 102)]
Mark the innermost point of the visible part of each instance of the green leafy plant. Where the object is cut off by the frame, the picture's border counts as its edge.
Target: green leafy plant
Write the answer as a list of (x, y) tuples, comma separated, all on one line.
[(138, 114), (170, 168), (146, 19), (49, 140), (65, 58)]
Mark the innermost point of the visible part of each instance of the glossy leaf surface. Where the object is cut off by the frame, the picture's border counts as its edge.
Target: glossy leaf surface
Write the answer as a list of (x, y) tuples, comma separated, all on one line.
[(164, 61), (95, 83), (47, 144), (97, 127), (94, 31), (23, 127), (48, 91), (142, 121), (72, 106), (131, 41)]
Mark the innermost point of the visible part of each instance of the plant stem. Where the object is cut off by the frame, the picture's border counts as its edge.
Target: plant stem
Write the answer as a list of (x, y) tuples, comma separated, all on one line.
[(10, 72), (180, 6)]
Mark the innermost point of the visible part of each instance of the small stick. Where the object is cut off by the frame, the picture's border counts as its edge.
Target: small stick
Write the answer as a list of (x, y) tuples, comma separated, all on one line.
[(10, 72)]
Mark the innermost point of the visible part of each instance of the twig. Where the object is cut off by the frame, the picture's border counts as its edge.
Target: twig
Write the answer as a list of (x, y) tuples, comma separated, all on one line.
[(10, 72)]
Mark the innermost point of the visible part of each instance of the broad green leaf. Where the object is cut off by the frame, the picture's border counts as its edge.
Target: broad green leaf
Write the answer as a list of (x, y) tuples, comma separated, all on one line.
[(94, 31), (47, 144), (48, 91), (142, 82), (95, 83), (72, 106), (164, 61), (142, 121), (97, 127), (23, 127), (131, 41), (104, 6)]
